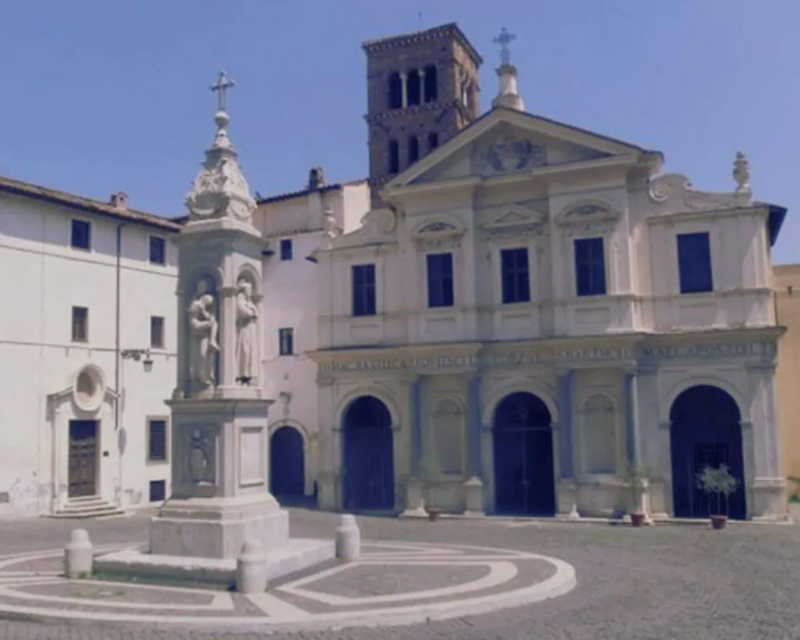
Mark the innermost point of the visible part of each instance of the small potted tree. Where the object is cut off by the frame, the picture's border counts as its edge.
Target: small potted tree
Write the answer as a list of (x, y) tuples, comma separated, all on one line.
[(637, 479), (720, 482)]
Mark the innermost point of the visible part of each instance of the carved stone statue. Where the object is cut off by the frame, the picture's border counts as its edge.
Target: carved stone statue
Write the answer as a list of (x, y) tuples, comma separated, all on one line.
[(246, 322), (203, 345)]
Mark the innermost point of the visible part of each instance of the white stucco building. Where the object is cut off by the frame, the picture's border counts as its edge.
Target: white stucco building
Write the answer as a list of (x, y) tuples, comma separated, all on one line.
[(296, 225), (531, 311), (90, 288)]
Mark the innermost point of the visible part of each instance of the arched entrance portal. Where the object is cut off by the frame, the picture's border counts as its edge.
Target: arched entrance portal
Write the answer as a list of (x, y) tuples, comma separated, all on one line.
[(287, 473), (705, 430), (523, 456), (368, 456)]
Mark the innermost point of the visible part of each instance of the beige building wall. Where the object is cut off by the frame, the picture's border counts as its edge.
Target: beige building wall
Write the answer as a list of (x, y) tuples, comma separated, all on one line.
[(786, 280)]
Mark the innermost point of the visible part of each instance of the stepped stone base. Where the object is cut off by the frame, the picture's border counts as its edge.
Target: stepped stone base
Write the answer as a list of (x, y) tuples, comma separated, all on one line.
[(296, 555), (87, 507)]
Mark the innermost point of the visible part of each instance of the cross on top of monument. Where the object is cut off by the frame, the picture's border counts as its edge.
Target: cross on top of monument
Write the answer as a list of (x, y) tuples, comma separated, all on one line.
[(504, 39), (222, 84)]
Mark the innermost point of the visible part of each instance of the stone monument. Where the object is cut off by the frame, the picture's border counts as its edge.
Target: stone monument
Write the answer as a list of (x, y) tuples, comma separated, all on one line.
[(220, 444)]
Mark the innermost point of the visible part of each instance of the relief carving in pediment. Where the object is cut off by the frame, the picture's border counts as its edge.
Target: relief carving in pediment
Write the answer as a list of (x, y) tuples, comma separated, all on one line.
[(514, 219), (506, 154)]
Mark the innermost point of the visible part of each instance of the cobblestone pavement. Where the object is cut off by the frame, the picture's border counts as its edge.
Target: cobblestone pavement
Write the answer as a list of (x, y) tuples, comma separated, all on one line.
[(656, 583)]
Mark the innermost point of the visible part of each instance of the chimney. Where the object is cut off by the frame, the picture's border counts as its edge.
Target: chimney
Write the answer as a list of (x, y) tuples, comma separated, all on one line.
[(119, 200), (316, 179)]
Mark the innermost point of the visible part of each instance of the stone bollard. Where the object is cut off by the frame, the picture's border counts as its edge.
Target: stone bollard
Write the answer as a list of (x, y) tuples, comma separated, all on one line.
[(251, 568), (348, 539), (78, 555)]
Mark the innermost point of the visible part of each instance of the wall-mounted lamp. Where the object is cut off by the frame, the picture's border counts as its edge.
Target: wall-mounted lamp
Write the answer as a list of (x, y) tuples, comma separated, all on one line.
[(137, 355)]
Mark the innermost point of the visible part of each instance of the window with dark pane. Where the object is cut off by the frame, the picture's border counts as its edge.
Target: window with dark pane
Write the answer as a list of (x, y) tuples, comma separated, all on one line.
[(157, 440), (364, 299), (440, 279), (413, 149), (80, 324), (158, 490), (286, 341), (431, 84), (590, 267), (694, 262), (158, 250), (515, 275), (81, 237), (433, 141), (157, 332), (394, 157), (286, 249)]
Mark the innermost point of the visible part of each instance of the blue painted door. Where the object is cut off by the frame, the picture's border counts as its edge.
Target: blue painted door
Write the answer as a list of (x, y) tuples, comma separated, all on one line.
[(368, 456), (287, 464), (524, 469), (705, 430)]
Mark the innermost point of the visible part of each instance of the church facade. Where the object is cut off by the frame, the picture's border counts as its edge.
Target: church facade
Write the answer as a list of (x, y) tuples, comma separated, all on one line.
[(533, 313)]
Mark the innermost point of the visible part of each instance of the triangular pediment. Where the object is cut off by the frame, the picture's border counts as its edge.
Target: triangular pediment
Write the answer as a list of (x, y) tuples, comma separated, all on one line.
[(505, 142), (513, 216)]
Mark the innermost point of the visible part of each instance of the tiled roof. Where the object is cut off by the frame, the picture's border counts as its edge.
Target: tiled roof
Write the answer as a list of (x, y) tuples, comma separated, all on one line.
[(72, 201), (304, 192)]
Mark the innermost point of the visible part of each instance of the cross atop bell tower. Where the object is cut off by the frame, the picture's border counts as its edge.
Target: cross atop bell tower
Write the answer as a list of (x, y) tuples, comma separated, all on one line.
[(504, 39), (422, 89), (220, 87)]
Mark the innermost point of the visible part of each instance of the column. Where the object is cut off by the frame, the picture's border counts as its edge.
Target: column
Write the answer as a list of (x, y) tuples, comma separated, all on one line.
[(227, 337), (473, 487), (421, 86), (566, 488), (416, 425), (633, 445), (404, 88)]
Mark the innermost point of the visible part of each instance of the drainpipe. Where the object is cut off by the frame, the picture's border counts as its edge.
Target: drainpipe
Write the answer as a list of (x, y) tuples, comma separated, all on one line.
[(117, 351)]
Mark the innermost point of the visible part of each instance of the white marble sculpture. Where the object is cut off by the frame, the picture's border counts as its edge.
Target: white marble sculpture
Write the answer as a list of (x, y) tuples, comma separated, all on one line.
[(246, 327), (203, 345)]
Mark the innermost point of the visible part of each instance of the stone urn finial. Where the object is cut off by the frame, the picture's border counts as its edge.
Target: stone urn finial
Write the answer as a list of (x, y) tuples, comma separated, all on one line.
[(741, 173)]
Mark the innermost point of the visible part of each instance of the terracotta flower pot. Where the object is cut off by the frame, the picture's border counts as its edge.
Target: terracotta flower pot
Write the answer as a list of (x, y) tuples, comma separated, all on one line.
[(434, 513), (637, 519), (718, 522)]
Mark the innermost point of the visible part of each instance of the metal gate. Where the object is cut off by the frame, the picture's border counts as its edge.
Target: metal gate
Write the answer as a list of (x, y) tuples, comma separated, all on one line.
[(705, 431), (524, 469), (368, 480)]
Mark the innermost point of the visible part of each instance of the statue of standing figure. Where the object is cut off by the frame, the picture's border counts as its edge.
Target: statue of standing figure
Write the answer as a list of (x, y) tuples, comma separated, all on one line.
[(203, 345), (246, 327)]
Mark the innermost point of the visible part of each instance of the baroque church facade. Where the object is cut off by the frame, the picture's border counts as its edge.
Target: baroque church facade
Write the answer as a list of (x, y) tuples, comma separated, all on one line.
[(532, 313)]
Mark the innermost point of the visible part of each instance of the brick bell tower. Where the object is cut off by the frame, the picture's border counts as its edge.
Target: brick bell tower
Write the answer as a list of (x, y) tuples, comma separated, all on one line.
[(422, 90)]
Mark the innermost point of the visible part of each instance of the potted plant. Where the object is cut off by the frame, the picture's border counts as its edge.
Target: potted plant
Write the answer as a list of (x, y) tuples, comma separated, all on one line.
[(794, 500), (719, 481), (637, 478)]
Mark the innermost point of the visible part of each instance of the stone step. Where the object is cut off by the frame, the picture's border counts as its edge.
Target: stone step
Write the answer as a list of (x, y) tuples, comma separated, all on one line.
[(88, 507)]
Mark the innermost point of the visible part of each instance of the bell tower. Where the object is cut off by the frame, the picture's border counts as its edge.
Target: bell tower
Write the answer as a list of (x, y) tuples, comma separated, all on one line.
[(422, 89)]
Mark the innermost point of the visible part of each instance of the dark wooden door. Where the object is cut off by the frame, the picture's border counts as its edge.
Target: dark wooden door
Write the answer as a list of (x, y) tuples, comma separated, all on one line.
[(287, 468), (82, 458)]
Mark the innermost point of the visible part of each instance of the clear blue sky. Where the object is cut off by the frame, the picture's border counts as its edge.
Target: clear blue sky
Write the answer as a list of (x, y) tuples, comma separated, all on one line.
[(100, 95)]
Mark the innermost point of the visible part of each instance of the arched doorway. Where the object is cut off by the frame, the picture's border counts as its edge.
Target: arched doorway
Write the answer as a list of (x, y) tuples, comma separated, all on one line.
[(705, 430), (287, 473), (523, 456), (368, 456)]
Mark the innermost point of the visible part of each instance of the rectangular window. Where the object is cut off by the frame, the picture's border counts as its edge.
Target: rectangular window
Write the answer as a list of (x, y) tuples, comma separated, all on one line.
[(80, 324), (286, 340), (156, 440), (286, 249), (590, 267), (157, 332), (158, 490), (440, 279), (81, 235), (694, 262), (364, 290), (516, 278), (158, 250)]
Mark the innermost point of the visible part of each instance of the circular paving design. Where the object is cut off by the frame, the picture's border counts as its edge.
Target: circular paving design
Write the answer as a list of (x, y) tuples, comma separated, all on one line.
[(392, 583)]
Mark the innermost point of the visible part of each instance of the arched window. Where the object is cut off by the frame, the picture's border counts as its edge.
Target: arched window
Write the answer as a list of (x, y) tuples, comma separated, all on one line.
[(433, 141), (394, 157), (431, 84), (414, 89), (395, 91), (413, 149), (448, 430), (599, 435)]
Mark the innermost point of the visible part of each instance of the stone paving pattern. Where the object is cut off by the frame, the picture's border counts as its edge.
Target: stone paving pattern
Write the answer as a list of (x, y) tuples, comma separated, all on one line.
[(655, 583)]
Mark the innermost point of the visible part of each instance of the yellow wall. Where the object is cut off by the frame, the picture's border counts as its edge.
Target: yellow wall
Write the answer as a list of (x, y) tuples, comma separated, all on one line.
[(786, 282)]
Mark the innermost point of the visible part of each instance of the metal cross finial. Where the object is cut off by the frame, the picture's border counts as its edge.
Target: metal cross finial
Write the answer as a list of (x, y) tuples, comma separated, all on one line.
[(222, 84), (504, 39)]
